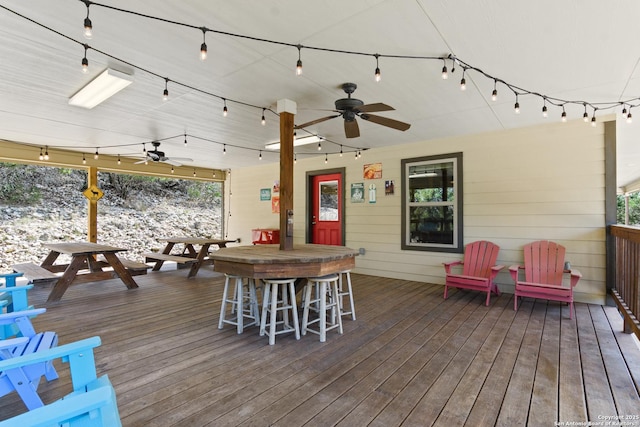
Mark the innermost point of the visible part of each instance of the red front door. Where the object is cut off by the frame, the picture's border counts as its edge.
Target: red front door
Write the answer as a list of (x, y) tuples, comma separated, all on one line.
[(326, 217)]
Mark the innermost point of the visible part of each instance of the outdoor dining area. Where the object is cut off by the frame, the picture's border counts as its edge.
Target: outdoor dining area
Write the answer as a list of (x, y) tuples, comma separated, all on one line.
[(410, 357)]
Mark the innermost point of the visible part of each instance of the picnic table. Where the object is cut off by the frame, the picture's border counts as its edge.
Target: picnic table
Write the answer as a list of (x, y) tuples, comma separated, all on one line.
[(189, 256), (85, 266)]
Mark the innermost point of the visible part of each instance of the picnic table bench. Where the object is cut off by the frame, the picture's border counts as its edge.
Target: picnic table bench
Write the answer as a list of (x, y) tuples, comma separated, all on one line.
[(36, 274)]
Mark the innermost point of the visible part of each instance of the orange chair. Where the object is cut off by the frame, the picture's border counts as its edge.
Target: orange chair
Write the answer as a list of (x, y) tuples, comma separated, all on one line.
[(543, 274), (478, 269)]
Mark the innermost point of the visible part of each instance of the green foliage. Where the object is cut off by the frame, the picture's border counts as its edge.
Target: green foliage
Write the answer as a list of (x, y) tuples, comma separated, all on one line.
[(18, 184), (634, 209), (206, 193)]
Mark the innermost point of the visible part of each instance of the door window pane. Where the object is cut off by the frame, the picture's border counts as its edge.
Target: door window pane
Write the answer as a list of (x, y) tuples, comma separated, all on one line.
[(328, 201)]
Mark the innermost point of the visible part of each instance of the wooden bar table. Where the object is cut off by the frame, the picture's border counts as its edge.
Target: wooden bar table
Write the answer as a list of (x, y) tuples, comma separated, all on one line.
[(268, 261), (83, 258)]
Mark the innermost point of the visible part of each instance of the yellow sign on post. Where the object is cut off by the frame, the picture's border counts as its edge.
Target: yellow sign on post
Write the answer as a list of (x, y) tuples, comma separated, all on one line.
[(93, 193)]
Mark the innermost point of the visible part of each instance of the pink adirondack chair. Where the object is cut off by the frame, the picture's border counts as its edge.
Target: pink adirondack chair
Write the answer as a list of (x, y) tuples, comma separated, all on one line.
[(543, 274), (478, 269)]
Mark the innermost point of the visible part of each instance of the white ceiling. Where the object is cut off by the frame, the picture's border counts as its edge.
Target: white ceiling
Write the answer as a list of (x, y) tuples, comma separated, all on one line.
[(578, 50)]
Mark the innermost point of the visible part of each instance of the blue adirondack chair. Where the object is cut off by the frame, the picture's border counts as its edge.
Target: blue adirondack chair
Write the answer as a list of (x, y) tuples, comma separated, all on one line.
[(12, 298), (92, 402), (25, 381)]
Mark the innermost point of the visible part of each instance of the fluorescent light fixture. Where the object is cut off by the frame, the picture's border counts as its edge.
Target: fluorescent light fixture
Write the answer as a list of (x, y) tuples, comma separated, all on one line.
[(107, 84), (296, 142), (423, 175)]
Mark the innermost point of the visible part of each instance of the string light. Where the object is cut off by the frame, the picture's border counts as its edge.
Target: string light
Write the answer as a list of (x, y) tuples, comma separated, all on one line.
[(96, 155), (260, 156), (319, 146), (340, 150), (356, 155), (494, 94), (629, 118), (46, 152), (585, 116), (445, 75), (172, 171), (593, 119), (194, 173), (359, 154), (454, 60), (224, 149), (377, 74), (225, 111), (165, 94), (88, 27), (84, 159), (299, 63), (119, 159), (545, 114), (185, 139), (203, 46), (463, 81), (144, 148), (516, 107), (326, 159), (85, 61), (563, 116), (624, 110), (263, 121), (295, 158), (41, 156)]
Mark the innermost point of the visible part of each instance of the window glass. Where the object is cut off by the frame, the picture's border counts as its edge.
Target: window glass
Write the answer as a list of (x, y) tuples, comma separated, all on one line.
[(432, 211)]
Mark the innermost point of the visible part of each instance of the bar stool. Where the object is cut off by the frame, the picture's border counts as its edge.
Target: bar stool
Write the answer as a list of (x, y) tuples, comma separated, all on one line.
[(243, 301), (279, 295), (348, 292), (326, 299)]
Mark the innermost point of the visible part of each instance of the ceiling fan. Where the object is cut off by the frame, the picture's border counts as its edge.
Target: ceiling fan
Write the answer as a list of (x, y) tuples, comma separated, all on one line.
[(349, 108), (156, 155)]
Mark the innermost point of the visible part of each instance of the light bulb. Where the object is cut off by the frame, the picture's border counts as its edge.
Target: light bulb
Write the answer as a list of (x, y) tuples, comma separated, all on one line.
[(263, 121), (319, 146), (224, 149), (225, 111), (629, 118), (203, 51), (593, 120), (378, 76), (545, 114), (325, 159), (585, 117), (563, 117), (445, 74), (41, 156), (260, 156), (516, 107), (84, 159), (463, 84), (119, 162), (85, 65), (88, 28), (172, 171), (96, 155), (494, 95), (165, 94), (299, 68)]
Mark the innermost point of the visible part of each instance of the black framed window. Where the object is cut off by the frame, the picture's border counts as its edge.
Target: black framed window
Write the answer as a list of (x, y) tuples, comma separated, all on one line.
[(432, 203)]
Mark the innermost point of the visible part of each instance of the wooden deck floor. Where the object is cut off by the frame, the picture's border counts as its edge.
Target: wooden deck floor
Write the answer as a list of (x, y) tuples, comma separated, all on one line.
[(410, 359)]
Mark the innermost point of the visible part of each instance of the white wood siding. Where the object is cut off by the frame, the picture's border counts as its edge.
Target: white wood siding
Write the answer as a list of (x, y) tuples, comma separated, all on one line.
[(520, 185)]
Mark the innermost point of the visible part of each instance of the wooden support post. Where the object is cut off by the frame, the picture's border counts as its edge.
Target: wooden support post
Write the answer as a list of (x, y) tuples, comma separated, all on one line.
[(287, 111), (92, 204)]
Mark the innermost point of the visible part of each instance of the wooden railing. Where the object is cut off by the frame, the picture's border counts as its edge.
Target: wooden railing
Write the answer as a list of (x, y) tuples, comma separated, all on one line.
[(625, 291)]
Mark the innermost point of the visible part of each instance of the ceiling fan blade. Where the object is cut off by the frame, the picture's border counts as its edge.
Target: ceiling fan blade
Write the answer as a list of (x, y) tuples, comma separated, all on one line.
[(351, 128), (180, 159), (372, 108), (171, 162), (140, 162), (313, 122), (385, 121)]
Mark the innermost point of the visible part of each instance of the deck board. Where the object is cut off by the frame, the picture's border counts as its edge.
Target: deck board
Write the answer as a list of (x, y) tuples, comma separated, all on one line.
[(411, 358)]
